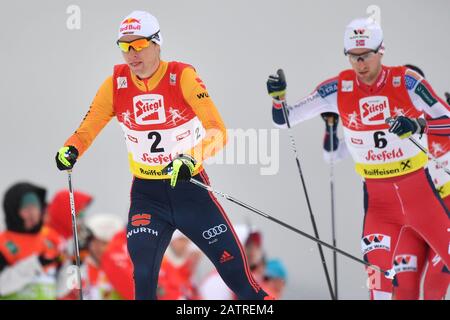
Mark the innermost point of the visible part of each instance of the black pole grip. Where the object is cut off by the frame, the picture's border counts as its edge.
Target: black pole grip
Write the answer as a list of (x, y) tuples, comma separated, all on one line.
[(280, 73)]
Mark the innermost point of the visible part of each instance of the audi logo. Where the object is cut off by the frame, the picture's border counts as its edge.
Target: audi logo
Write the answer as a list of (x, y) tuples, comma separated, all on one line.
[(214, 231)]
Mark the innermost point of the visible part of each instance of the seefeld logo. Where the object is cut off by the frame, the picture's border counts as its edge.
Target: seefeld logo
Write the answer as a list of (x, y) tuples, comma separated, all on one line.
[(149, 109), (384, 155), (374, 110)]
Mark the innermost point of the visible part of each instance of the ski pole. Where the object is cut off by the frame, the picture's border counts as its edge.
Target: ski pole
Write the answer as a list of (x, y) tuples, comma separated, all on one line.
[(75, 232), (280, 73), (388, 274), (333, 225)]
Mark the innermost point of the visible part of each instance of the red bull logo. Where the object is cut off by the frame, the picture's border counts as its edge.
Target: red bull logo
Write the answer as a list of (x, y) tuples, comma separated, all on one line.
[(374, 110), (130, 24)]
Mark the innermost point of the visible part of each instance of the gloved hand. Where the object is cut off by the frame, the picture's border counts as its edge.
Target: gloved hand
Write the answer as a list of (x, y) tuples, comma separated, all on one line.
[(447, 96), (276, 85), (405, 127), (180, 169), (330, 118), (66, 157)]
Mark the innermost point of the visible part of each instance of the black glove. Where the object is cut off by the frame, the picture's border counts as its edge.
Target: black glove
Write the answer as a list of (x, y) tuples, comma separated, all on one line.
[(276, 85), (447, 96), (332, 119), (66, 157), (181, 169), (405, 127)]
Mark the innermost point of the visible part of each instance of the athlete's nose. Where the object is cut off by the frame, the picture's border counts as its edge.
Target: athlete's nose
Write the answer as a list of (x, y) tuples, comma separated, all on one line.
[(360, 62), (131, 52)]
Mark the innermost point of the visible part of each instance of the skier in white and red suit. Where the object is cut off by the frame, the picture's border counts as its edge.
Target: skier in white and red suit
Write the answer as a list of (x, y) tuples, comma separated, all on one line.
[(398, 190)]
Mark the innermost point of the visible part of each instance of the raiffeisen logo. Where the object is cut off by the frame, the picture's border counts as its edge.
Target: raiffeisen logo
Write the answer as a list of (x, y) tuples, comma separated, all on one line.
[(374, 110), (149, 109), (130, 24)]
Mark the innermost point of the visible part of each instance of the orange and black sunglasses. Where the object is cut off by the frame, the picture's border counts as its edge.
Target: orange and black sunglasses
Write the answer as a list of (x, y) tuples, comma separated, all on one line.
[(137, 44)]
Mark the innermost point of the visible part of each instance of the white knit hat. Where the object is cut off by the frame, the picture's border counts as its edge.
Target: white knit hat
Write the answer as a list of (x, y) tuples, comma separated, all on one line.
[(141, 23), (363, 33)]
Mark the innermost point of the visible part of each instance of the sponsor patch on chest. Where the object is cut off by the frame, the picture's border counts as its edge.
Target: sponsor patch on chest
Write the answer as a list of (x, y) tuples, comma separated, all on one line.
[(374, 110), (149, 109)]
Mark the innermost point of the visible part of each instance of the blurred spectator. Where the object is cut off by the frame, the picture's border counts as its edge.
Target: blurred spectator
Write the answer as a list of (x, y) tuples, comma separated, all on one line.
[(101, 229), (58, 230), (28, 262), (58, 217), (275, 278), (117, 266), (177, 269), (214, 288)]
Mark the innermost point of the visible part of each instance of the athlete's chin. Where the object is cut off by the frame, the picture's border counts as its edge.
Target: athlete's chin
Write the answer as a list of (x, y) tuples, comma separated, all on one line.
[(363, 74), (136, 66), (365, 77)]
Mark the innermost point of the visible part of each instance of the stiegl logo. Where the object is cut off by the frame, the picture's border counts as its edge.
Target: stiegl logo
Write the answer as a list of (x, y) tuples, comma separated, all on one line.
[(149, 109), (374, 110)]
